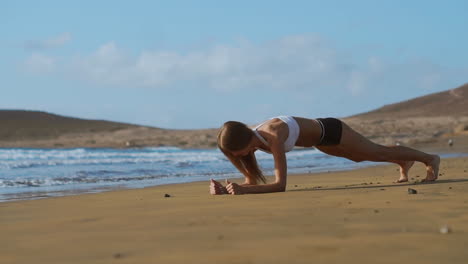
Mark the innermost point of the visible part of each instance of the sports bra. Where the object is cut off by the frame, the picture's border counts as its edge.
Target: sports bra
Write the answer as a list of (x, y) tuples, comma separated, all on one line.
[(293, 132)]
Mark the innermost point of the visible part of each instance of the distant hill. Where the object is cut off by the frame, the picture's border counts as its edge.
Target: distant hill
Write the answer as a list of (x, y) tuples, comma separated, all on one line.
[(33, 129), (17, 125), (448, 103), (424, 120)]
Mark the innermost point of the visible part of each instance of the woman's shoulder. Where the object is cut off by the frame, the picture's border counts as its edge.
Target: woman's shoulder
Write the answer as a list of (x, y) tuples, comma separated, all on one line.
[(275, 129), (272, 123)]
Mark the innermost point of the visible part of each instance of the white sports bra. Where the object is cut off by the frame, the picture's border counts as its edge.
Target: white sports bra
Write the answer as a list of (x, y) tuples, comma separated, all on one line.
[(293, 132)]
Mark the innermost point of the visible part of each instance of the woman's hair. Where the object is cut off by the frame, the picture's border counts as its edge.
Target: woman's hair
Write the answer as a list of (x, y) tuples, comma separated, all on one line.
[(234, 136)]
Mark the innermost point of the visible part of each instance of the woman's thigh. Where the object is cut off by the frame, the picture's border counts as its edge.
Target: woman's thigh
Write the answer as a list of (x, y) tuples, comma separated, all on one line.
[(353, 146)]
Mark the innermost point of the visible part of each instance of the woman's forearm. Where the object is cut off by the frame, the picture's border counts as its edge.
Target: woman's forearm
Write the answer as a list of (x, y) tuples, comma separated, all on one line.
[(265, 188)]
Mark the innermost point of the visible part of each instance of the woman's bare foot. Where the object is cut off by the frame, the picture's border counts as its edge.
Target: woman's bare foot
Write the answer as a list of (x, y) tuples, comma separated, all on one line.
[(432, 169), (405, 166)]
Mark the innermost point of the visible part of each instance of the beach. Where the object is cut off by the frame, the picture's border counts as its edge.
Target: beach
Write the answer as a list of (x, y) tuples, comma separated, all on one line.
[(117, 119), (356, 216)]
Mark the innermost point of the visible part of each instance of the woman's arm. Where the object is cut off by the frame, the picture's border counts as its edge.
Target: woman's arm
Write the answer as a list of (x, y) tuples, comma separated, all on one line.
[(234, 188), (217, 188), (279, 185)]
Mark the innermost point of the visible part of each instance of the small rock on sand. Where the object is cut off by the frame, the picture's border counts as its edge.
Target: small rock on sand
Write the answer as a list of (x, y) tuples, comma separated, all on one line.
[(412, 191), (445, 229), (167, 195), (450, 142)]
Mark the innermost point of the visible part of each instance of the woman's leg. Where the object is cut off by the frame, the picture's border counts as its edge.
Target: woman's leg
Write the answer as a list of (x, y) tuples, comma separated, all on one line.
[(355, 147), (405, 166)]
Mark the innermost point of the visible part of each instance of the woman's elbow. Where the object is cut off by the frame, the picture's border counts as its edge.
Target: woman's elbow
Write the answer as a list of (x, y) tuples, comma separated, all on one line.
[(281, 187)]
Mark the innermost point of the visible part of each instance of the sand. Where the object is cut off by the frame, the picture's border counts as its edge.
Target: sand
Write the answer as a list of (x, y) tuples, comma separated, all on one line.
[(356, 216)]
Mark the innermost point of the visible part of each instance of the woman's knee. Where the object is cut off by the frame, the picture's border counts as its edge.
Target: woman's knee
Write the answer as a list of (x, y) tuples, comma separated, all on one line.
[(371, 152), (381, 153)]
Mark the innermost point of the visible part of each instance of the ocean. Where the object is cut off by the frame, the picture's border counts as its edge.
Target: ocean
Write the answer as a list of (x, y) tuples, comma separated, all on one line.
[(39, 173)]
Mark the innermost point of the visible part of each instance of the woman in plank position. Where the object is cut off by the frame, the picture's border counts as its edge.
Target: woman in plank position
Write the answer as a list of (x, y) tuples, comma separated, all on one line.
[(280, 134)]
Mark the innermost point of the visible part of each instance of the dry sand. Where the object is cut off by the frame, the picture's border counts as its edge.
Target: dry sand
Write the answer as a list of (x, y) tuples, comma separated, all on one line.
[(355, 216)]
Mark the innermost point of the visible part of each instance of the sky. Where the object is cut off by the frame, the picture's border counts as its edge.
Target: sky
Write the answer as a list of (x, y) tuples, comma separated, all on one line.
[(196, 64)]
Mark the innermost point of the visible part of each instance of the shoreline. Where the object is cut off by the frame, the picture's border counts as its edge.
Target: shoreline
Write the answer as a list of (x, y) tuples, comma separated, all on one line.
[(37, 195), (354, 216)]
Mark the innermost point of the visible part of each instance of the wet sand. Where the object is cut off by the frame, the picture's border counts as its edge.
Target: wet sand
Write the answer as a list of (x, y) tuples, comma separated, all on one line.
[(356, 216)]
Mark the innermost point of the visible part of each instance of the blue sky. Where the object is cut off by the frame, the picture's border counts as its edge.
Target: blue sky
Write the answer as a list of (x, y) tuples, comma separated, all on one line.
[(196, 64)]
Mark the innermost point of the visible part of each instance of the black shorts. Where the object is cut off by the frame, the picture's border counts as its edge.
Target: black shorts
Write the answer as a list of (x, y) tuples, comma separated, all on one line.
[(331, 131)]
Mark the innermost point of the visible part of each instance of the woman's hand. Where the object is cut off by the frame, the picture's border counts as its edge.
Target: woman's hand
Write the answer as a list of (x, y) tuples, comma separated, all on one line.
[(217, 188), (234, 188)]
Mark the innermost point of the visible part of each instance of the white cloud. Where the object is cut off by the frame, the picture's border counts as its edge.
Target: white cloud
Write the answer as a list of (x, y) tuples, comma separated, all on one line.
[(303, 63), (290, 62), (299, 75), (50, 43), (357, 82), (40, 63), (107, 64)]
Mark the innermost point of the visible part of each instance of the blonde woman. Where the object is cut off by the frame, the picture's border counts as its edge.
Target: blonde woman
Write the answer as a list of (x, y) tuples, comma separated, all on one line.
[(280, 134)]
